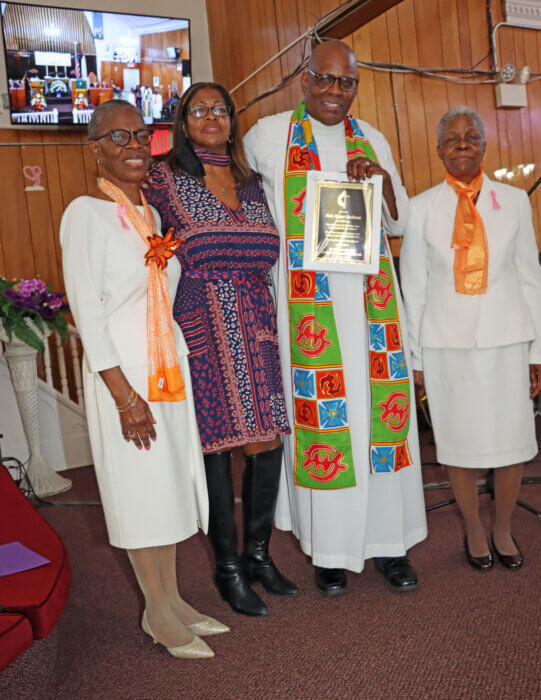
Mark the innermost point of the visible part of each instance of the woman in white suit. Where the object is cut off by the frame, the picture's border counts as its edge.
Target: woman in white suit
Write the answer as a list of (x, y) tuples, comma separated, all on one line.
[(136, 375), (472, 291)]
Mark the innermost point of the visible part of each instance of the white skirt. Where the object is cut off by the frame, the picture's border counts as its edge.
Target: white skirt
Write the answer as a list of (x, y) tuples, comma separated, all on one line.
[(480, 407), (155, 497)]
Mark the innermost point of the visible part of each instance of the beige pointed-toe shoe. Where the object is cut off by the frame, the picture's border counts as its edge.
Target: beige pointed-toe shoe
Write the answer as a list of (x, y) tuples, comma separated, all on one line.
[(207, 627), (196, 649)]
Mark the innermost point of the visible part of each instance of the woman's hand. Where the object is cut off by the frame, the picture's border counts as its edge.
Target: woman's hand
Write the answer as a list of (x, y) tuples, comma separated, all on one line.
[(138, 424), (361, 168), (419, 382), (535, 380)]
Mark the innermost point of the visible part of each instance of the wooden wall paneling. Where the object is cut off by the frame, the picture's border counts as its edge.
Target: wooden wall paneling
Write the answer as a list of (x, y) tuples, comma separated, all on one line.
[(40, 222), (525, 128), (404, 160), (112, 70), (244, 64), (386, 118), (14, 226), (261, 18), (364, 105), (414, 99), (485, 101), (56, 201), (89, 164), (272, 38), (72, 167), (465, 47), (288, 29), (512, 116), (154, 46), (434, 91), (450, 47), (223, 47), (2, 259)]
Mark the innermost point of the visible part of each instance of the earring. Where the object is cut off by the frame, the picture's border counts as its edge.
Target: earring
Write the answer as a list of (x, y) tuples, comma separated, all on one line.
[(99, 161), (230, 139)]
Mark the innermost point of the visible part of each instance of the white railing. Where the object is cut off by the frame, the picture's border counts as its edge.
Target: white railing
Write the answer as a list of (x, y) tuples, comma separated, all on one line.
[(60, 366), (46, 117)]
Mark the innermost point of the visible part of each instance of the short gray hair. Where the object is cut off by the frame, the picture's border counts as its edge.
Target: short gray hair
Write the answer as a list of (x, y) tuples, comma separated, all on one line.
[(458, 112), (101, 112)]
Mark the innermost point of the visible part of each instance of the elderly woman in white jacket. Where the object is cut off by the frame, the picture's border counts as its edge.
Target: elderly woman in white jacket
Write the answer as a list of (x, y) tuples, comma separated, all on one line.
[(472, 291)]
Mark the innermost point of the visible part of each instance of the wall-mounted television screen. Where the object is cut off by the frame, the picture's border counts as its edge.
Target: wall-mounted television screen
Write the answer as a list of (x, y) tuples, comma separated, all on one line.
[(61, 64)]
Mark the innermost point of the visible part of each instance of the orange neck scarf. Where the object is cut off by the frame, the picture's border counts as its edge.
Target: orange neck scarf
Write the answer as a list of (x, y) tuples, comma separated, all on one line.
[(469, 239), (165, 381)]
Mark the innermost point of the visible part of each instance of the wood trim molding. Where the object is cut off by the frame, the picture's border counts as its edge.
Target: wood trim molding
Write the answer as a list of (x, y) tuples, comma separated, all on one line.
[(523, 13)]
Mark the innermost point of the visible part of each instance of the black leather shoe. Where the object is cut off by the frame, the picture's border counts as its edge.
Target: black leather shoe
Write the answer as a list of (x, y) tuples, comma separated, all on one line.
[(510, 561), (331, 581), (399, 574), (479, 563)]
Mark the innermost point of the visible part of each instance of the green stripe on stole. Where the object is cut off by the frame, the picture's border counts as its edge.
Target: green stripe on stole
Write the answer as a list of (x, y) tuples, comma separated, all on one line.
[(323, 452)]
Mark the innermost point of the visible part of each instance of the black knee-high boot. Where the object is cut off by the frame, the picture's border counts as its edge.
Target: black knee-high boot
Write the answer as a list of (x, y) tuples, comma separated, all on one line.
[(259, 491), (230, 576)]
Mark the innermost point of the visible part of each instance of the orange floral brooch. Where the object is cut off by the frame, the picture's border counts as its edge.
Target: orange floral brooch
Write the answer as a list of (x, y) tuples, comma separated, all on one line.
[(161, 249)]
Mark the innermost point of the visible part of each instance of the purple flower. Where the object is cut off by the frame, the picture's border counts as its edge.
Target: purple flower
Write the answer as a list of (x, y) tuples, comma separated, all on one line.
[(28, 287), (55, 304), (47, 313)]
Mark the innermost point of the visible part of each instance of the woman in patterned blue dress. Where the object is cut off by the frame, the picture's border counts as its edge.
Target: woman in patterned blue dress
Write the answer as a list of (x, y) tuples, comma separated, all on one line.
[(205, 191)]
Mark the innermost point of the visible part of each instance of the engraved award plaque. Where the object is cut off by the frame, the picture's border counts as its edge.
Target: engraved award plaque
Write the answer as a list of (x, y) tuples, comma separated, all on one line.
[(342, 225)]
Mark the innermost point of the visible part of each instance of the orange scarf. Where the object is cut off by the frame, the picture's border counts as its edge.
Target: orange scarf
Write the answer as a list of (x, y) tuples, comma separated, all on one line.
[(469, 239), (165, 381)]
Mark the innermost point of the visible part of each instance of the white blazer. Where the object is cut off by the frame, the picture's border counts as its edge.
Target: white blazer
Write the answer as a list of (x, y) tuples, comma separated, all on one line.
[(510, 310)]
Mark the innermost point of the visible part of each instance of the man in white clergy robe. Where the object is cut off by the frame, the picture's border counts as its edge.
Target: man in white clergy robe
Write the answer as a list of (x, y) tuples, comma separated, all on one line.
[(157, 104), (383, 515)]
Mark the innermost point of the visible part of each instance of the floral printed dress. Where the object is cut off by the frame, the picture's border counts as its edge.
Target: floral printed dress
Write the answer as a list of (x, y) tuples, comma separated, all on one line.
[(224, 307)]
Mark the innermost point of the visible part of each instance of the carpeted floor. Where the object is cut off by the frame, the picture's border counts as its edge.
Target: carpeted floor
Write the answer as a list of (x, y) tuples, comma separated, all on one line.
[(463, 634)]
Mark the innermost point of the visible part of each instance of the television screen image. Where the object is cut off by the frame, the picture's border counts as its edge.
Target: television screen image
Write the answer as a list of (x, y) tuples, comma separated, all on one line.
[(61, 64)]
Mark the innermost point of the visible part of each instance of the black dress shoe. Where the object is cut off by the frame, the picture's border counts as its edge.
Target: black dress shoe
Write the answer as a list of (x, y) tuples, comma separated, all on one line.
[(331, 581), (399, 574), (510, 561), (479, 563)]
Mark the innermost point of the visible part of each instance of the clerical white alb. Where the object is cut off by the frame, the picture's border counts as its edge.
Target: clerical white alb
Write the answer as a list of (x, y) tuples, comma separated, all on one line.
[(384, 514)]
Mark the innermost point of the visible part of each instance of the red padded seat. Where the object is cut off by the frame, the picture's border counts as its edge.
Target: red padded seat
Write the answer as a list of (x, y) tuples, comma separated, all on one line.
[(15, 637), (38, 594)]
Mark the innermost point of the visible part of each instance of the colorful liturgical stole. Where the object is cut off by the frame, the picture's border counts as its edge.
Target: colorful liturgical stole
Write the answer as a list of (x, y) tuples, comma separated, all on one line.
[(323, 452)]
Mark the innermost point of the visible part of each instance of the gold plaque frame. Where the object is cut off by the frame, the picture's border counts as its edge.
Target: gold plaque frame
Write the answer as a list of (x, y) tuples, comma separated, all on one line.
[(342, 224)]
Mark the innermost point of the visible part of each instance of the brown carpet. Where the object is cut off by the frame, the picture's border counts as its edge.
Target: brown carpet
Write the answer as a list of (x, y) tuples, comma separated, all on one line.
[(464, 634)]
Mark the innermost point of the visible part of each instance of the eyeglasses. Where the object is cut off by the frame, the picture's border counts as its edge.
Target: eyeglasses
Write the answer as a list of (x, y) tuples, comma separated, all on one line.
[(200, 111), (326, 81), (122, 137)]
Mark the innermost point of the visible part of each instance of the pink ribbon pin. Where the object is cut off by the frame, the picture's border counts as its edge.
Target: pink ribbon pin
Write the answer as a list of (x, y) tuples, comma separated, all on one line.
[(121, 213), (495, 204)]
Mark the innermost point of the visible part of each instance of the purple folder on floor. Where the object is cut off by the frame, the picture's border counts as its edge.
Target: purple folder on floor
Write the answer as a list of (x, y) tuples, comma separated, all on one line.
[(15, 557)]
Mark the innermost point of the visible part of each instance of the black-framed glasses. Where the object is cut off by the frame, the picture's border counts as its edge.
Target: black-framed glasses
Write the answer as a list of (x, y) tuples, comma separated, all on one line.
[(200, 111), (122, 137), (325, 81)]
